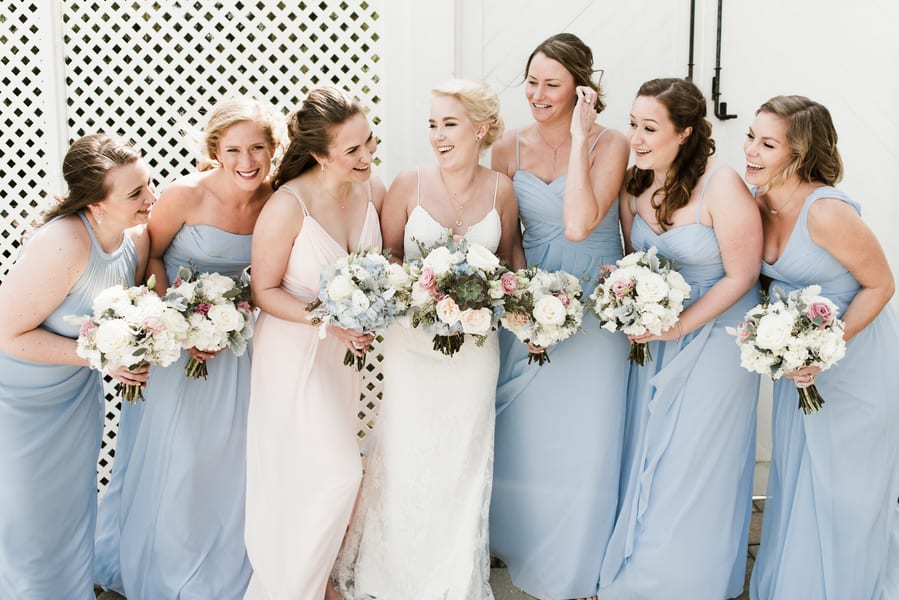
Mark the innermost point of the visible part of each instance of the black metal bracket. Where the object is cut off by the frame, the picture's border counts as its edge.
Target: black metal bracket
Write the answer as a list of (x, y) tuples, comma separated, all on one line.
[(720, 107)]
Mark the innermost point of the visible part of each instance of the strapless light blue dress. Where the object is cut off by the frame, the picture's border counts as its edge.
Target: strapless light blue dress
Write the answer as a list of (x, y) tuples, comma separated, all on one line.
[(172, 521)]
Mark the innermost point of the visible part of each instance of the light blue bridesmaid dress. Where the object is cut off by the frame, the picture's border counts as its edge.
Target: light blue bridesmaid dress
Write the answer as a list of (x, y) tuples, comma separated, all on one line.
[(176, 499), (682, 529), (558, 426), (51, 422), (834, 479)]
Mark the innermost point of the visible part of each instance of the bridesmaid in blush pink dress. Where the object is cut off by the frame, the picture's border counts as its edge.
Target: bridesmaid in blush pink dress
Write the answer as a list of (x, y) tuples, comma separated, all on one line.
[(303, 463)]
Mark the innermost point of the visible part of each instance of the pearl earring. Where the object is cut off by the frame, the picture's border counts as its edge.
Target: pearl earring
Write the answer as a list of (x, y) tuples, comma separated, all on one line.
[(99, 218)]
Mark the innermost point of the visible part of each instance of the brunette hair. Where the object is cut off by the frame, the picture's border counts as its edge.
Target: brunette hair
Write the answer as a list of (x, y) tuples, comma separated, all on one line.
[(687, 109), (480, 103), (84, 168), (577, 58), (309, 130), (812, 139)]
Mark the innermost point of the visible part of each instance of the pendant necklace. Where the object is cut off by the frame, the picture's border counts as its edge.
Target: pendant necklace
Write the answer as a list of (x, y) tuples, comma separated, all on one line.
[(453, 198), (777, 211), (555, 150)]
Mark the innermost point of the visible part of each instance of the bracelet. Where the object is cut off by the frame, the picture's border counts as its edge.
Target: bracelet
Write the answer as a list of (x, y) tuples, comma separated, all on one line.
[(680, 332)]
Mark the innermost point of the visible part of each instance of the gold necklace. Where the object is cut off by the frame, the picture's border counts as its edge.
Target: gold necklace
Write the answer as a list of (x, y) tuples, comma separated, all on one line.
[(777, 211), (340, 203), (555, 149), (453, 198)]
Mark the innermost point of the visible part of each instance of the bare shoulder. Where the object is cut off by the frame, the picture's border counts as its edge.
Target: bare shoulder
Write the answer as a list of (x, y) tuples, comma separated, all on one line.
[(378, 191), (831, 212), (724, 186), (405, 182), (502, 153), (63, 244), (181, 196), (611, 139)]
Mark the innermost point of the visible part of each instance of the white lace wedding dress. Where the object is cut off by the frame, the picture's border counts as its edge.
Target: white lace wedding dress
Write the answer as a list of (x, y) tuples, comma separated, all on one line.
[(420, 528)]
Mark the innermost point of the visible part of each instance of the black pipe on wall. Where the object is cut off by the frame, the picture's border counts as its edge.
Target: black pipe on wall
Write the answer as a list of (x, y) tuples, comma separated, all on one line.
[(720, 107)]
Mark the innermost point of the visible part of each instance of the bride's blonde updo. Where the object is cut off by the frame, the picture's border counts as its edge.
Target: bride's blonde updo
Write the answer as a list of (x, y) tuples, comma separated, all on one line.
[(480, 102)]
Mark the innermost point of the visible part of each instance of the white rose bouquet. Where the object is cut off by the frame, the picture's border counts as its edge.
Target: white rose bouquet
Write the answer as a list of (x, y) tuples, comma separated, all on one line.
[(641, 293), (542, 308), (796, 330), (456, 291), (217, 310), (363, 291), (130, 327)]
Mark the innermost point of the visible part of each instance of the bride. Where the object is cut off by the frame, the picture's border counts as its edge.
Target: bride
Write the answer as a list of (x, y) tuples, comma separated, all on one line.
[(420, 528)]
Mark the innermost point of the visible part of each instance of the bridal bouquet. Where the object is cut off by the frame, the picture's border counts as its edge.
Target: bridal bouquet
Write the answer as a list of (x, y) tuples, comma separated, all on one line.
[(641, 293), (130, 327), (217, 310), (796, 330), (542, 308), (363, 291), (456, 291)]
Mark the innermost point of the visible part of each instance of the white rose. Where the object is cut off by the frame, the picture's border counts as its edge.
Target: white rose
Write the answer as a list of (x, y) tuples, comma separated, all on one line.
[(774, 331), (651, 287), (420, 295), (340, 287), (360, 302), (112, 338), (175, 322), (440, 260), (476, 321), (112, 298), (753, 360), (397, 276), (215, 284), (631, 259), (226, 317), (549, 310), (481, 258), (202, 334), (448, 311)]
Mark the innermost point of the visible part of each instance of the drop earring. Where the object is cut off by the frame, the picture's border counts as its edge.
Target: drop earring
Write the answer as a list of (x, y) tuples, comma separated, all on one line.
[(99, 217)]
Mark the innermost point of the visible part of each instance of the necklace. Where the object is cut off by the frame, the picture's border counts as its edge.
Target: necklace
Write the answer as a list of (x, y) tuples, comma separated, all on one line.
[(454, 199), (555, 149), (340, 203), (777, 211)]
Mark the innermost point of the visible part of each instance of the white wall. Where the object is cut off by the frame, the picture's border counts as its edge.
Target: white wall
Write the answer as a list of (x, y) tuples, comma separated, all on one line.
[(844, 56)]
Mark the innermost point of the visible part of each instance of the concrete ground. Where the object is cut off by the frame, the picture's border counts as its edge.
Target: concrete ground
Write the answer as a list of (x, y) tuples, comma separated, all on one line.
[(504, 590)]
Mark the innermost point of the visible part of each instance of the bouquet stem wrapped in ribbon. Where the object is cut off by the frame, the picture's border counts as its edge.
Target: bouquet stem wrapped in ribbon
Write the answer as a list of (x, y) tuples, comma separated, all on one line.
[(641, 293), (791, 331)]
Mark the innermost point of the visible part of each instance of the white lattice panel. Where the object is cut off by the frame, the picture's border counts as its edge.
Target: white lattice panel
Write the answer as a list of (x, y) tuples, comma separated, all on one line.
[(148, 70)]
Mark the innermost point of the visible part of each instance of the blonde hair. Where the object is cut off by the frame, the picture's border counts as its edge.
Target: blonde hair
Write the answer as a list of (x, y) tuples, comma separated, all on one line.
[(480, 102), (230, 112), (812, 139)]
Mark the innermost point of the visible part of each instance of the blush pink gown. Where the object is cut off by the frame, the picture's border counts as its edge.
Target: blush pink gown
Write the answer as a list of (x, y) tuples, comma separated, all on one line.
[(303, 462)]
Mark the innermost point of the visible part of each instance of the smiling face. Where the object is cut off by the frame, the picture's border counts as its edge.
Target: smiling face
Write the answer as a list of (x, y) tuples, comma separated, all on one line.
[(653, 136), (245, 155), (549, 88), (351, 151), (454, 136), (767, 149), (131, 195)]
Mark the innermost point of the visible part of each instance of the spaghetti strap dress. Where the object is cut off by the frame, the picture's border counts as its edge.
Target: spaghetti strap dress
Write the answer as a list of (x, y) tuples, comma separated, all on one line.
[(303, 462), (682, 528), (559, 426), (830, 527), (51, 423), (420, 529), (172, 522)]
